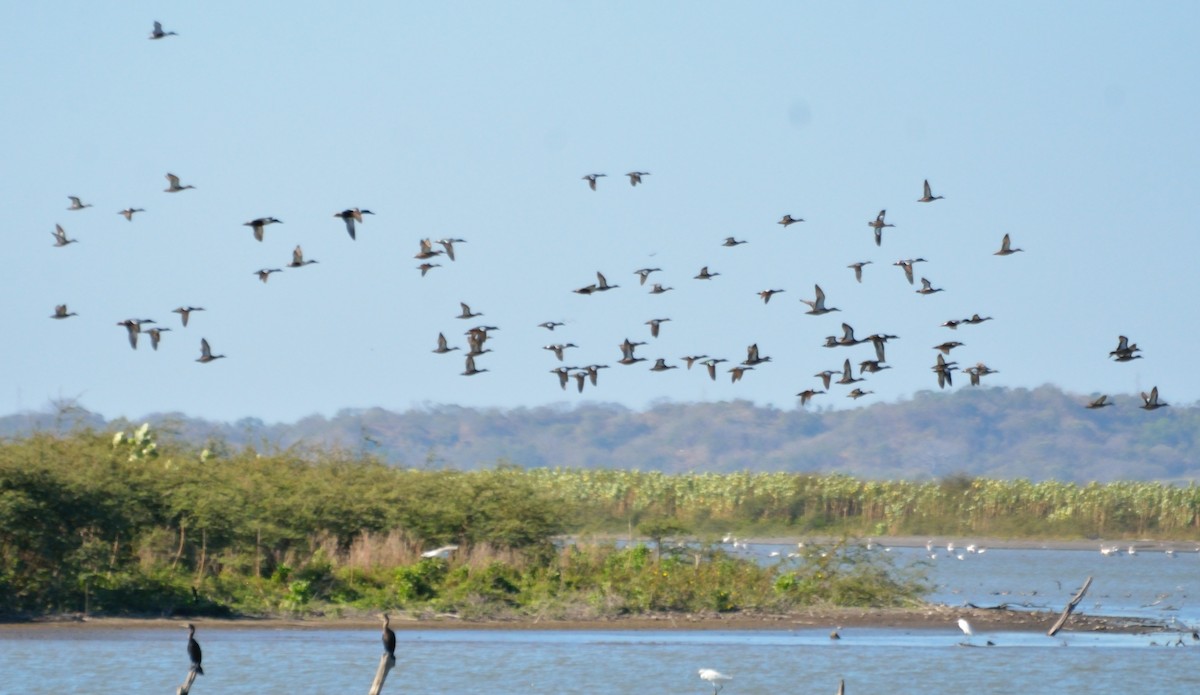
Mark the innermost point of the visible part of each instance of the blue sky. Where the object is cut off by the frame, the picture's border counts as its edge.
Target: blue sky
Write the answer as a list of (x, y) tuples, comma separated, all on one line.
[(1070, 126)]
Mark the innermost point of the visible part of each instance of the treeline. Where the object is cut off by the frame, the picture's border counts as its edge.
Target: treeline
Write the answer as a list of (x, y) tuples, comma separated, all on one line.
[(129, 522), (1038, 434), (102, 520)]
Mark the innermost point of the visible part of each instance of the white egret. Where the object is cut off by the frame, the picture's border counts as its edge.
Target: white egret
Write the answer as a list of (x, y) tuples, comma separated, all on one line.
[(966, 628), (714, 677)]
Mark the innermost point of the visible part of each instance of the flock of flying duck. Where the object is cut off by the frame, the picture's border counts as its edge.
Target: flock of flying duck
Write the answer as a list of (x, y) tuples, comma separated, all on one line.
[(134, 326), (478, 336), (582, 375)]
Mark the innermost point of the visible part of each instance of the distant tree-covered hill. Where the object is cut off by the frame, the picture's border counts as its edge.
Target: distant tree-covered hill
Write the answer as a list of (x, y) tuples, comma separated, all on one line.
[(1040, 434)]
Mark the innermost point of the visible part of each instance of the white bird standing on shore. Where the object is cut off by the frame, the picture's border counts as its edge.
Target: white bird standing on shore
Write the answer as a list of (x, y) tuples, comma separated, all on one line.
[(966, 628), (714, 677)]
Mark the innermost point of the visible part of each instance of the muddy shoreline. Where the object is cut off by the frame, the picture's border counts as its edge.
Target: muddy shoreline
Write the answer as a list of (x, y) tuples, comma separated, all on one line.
[(921, 618)]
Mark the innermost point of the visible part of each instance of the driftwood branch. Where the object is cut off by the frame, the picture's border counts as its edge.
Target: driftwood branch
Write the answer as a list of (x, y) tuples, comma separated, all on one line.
[(386, 662), (1062, 619), (187, 684)]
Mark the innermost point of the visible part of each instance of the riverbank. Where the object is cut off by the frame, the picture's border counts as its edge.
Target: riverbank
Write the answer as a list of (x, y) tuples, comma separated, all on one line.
[(920, 618)]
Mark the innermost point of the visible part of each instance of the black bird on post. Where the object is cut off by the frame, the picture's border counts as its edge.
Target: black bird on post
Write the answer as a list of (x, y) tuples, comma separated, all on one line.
[(388, 659), (194, 650), (389, 637)]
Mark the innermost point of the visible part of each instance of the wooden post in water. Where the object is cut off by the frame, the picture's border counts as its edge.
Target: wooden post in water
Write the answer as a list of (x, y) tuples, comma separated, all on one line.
[(187, 684), (1062, 619), (386, 662)]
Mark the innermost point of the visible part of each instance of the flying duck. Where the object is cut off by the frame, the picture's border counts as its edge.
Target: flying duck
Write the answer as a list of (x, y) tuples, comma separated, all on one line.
[(878, 224), (711, 366), (470, 369), (907, 265), (817, 306), (467, 313), (298, 259), (185, 311), (847, 373), (60, 312), (806, 396), (558, 348), (752, 356), (1151, 401), (156, 335), (654, 325), (644, 273), (158, 32), (1006, 247), (927, 287), (442, 348), (350, 216), (737, 372), (258, 224), (448, 244), (427, 250), (60, 236), (173, 184), (206, 353), (929, 197)]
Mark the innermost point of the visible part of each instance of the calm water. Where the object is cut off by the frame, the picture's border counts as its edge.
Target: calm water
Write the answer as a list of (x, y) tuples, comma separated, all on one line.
[(1150, 584), (58, 660)]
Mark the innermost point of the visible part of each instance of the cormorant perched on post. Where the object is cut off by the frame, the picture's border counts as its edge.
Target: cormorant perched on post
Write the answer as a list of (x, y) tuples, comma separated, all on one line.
[(389, 638), (194, 649)]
